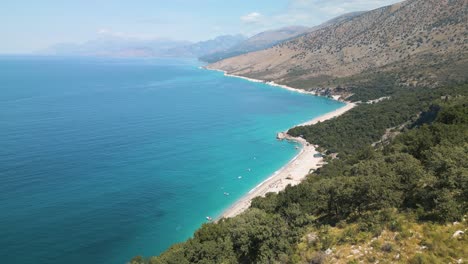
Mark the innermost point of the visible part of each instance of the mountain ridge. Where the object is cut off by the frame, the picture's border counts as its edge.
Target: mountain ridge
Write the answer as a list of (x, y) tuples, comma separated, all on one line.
[(269, 38), (259, 41)]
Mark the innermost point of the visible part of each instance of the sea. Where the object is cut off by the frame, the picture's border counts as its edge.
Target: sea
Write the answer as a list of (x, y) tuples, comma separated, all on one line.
[(105, 159)]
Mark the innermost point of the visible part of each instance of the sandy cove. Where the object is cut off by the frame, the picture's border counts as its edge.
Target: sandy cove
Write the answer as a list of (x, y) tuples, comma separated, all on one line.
[(290, 174), (295, 170)]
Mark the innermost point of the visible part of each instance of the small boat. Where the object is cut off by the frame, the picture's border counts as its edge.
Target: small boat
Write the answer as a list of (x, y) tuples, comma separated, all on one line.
[(209, 218), (248, 169), (240, 177), (226, 193)]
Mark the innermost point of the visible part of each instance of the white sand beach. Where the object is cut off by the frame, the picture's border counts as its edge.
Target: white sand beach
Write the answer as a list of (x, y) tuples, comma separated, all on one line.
[(295, 170)]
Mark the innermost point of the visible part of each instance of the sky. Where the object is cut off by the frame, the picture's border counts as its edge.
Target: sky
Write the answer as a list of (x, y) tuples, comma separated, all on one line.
[(30, 25)]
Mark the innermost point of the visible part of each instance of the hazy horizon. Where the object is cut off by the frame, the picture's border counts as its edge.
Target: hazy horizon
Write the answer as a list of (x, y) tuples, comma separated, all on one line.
[(30, 26)]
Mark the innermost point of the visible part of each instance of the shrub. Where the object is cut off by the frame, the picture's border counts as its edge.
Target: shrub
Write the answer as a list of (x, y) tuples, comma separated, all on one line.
[(319, 258), (387, 247)]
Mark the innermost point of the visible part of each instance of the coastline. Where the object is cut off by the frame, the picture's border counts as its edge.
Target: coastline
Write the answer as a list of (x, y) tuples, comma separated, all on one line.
[(295, 171), (260, 81)]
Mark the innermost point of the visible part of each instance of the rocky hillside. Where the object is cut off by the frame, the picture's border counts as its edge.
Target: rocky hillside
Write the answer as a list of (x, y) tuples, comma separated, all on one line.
[(419, 41), (268, 39)]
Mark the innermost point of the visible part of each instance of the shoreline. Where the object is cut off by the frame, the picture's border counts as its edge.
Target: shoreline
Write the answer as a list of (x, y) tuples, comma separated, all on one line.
[(265, 82), (293, 172)]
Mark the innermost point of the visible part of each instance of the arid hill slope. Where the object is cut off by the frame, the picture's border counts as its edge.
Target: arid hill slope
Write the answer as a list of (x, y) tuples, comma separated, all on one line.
[(268, 39), (420, 40)]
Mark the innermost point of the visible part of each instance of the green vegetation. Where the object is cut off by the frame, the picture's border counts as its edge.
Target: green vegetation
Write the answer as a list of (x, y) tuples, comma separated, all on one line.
[(389, 203), (366, 124), (363, 87)]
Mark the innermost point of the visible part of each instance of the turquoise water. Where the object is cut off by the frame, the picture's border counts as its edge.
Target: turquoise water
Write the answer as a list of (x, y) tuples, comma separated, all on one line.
[(101, 160)]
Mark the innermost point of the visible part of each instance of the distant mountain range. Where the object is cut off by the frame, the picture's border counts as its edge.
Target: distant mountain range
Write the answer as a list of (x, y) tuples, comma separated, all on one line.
[(421, 42), (206, 47), (110, 46), (211, 50)]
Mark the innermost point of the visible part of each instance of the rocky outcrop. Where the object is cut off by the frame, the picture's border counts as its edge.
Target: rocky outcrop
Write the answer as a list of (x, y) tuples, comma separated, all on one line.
[(281, 135)]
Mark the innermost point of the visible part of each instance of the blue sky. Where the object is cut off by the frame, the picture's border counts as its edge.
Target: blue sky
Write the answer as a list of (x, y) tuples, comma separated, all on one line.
[(30, 25)]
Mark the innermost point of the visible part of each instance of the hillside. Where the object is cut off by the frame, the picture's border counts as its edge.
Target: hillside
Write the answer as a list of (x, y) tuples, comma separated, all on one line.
[(419, 42), (270, 38)]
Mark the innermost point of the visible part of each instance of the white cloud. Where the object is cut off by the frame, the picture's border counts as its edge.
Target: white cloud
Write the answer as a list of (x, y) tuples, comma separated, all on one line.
[(314, 12), (334, 7), (252, 18), (306, 13)]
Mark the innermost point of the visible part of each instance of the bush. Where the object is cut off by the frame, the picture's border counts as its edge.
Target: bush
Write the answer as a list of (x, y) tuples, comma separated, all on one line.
[(319, 258), (387, 247)]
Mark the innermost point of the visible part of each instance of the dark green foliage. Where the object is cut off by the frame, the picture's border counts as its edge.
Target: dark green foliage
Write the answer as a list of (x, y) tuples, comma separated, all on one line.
[(174, 255), (367, 123), (361, 126), (254, 237), (364, 87), (457, 114), (379, 85), (423, 171), (425, 167)]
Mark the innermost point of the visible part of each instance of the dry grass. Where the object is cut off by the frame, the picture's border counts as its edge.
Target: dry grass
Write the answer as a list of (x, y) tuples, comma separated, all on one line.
[(401, 240)]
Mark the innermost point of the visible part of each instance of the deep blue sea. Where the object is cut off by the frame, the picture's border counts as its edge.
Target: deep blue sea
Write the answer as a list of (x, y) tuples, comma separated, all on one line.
[(102, 160)]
